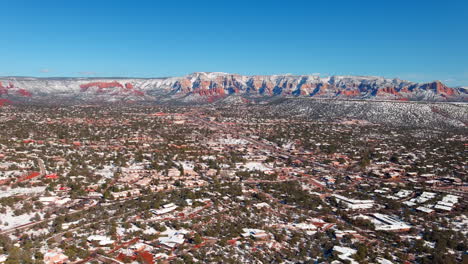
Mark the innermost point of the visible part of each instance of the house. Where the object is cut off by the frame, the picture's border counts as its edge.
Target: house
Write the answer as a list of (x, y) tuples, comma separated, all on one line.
[(255, 233), (144, 182), (166, 209), (341, 233), (126, 194), (102, 240), (310, 229), (261, 205), (55, 256), (172, 238), (140, 247), (403, 193), (173, 172), (95, 195)]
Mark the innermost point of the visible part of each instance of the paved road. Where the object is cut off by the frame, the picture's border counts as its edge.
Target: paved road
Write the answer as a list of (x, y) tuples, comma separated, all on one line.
[(42, 169)]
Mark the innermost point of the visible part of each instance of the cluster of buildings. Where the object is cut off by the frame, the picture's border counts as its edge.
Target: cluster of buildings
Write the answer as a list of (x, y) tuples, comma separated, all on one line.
[(226, 182)]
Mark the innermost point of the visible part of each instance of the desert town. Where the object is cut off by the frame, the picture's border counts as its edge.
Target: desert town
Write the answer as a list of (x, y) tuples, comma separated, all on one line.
[(157, 184)]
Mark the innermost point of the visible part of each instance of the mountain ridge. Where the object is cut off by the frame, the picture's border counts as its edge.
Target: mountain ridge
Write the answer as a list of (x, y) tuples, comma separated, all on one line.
[(212, 86)]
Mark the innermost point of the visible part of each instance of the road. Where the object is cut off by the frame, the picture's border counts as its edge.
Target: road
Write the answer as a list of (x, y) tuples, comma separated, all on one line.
[(30, 225), (42, 169)]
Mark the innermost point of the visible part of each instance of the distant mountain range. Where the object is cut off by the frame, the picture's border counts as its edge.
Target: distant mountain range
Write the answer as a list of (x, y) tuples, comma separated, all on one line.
[(210, 87)]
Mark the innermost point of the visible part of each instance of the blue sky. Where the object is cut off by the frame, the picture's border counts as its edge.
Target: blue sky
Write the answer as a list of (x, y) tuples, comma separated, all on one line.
[(413, 40)]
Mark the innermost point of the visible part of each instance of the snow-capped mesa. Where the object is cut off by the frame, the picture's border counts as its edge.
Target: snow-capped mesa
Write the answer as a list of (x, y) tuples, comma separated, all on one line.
[(213, 86)]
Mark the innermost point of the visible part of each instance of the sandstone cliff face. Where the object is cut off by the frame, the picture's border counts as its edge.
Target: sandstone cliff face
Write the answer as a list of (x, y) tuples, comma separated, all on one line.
[(100, 85), (209, 84), (439, 88), (4, 102), (113, 88)]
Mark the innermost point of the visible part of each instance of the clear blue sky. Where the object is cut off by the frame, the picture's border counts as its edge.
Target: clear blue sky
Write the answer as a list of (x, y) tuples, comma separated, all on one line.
[(413, 40)]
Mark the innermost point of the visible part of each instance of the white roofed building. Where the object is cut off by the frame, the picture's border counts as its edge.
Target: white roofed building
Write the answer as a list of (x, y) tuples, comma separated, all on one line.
[(354, 204)]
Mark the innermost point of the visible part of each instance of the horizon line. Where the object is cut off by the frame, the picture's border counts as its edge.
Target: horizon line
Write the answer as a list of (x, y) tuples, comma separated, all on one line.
[(248, 75)]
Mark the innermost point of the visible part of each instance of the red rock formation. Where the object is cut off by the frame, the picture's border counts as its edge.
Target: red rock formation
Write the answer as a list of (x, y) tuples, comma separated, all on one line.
[(139, 93), (442, 89), (351, 92), (439, 88), (257, 83), (323, 88), (115, 88), (405, 90), (219, 91), (23, 92), (185, 85), (205, 84), (210, 92), (388, 90), (289, 87), (305, 88), (4, 102), (268, 86), (100, 85), (228, 83)]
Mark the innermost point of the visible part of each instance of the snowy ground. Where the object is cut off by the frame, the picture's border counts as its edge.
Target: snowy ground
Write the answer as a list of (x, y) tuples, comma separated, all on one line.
[(20, 191), (14, 221)]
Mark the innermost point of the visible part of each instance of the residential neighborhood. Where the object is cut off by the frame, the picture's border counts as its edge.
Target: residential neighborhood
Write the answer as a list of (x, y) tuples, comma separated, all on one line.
[(167, 184)]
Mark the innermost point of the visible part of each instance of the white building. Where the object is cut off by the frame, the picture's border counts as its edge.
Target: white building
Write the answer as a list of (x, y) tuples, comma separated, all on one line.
[(388, 223), (255, 233), (166, 209), (103, 240), (172, 238), (354, 204)]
